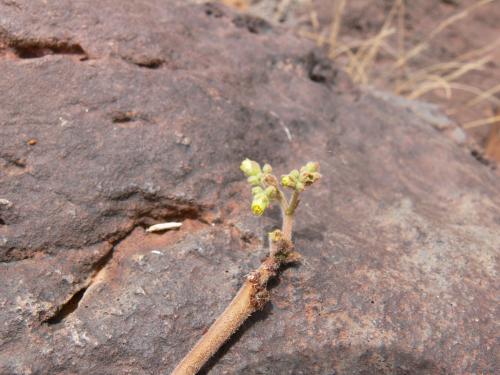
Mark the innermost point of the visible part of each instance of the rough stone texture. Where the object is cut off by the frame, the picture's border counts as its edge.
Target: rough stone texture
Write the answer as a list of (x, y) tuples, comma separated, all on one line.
[(117, 116)]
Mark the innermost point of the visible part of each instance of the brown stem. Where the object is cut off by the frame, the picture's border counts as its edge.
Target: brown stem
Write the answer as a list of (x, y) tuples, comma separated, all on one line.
[(251, 297), (287, 227), (294, 202), (226, 324), (282, 201)]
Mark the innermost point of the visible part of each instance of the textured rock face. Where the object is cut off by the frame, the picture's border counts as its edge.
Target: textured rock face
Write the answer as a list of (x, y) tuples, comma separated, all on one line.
[(131, 113)]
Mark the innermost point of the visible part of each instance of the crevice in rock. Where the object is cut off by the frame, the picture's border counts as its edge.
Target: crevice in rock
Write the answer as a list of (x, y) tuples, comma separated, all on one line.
[(16, 254), (70, 306), (151, 64), (11, 3), (67, 308), (149, 209), (320, 68), (120, 117), (142, 219), (15, 161), (36, 48), (213, 10), (480, 158), (146, 62), (253, 24)]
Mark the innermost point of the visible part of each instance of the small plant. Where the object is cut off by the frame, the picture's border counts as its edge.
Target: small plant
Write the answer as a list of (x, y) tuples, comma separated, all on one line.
[(253, 295)]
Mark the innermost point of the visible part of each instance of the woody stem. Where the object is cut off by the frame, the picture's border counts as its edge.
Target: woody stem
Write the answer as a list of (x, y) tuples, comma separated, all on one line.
[(251, 297)]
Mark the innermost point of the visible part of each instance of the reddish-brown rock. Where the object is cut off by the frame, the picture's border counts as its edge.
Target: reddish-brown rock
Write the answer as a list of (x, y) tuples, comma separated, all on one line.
[(142, 112)]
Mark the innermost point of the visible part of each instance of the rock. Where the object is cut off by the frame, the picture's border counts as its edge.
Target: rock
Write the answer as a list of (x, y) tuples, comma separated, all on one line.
[(426, 111), (458, 135), (142, 113)]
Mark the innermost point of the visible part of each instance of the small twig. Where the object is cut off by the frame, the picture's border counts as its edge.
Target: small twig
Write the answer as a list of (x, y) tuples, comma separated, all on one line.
[(335, 27), (163, 226)]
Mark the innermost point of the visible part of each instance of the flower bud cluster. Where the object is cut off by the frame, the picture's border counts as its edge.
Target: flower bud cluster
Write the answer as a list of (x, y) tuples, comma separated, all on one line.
[(265, 184), (255, 174), (299, 180), (262, 198), (259, 178)]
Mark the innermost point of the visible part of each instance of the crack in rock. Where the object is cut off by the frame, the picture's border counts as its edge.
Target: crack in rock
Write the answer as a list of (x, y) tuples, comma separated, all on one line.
[(194, 212), (148, 62), (71, 305), (36, 48), (14, 254)]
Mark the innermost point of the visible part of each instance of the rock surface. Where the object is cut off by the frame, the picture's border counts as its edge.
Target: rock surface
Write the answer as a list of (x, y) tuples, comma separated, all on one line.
[(131, 113)]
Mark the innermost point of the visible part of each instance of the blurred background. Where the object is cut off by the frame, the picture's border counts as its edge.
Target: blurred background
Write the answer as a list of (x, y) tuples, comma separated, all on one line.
[(445, 52)]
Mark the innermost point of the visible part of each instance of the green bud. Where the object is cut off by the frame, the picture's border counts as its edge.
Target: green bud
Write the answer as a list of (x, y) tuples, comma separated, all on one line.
[(311, 167), (270, 192), (259, 204), (254, 180), (257, 190), (267, 168), (299, 186), (287, 181), (250, 167), (294, 174)]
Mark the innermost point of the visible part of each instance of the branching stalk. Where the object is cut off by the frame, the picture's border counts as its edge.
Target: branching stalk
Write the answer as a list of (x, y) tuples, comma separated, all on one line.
[(253, 295)]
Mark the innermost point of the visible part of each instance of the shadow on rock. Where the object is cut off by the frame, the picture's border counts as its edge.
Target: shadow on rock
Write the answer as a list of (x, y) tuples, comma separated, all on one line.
[(346, 361), (249, 323), (256, 317)]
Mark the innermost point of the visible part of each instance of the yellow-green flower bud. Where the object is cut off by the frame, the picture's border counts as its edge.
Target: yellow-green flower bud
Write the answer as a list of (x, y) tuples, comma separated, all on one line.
[(311, 167), (250, 167), (294, 174), (267, 168), (257, 190), (299, 186), (287, 181), (259, 204), (254, 180), (270, 192)]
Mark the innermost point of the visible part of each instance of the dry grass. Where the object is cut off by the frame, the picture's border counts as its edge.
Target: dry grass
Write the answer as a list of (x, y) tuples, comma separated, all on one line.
[(335, 27), (486, 95), (419, 48), (439, 76), (482, 122), (402, 63), (361, 54), (358, 58)]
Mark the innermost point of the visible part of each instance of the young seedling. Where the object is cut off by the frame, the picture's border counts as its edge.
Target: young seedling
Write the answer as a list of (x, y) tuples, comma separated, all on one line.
[(253, 295)]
